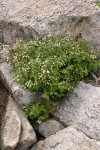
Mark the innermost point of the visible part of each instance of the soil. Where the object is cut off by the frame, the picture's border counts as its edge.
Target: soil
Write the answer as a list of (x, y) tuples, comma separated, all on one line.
[(3, 100)]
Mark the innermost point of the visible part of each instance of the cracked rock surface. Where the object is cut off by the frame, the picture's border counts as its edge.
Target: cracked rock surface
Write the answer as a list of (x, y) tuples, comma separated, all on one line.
[(20, 95), (81, 109), (16, 130), (68, 139), (28, 18), (50, 127)]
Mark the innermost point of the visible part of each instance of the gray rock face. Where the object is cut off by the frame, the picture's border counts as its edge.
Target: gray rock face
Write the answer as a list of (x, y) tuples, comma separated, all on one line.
[(28, 18), (81, 109), (67, 139), (27, 136), (20, 95), (11, 128), (16, 130), (50, 127)]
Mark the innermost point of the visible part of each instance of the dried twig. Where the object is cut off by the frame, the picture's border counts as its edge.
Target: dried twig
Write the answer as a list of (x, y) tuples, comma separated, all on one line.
[(96, 78)]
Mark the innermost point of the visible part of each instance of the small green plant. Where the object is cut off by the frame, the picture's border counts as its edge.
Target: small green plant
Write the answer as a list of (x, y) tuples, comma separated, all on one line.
[(52, 65), (38, 110), (98, 3)]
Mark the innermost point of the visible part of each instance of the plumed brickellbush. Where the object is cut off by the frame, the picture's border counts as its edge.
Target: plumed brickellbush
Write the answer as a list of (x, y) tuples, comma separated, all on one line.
[(52, 65)]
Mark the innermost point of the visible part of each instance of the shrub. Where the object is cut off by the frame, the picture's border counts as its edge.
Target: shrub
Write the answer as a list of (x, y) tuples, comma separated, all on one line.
[(52, 65), (38, 110)]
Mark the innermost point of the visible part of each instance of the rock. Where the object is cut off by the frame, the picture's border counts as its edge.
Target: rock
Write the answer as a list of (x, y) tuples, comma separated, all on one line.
[(1, 47), (28, 19), (20, 95), (11, 128), (22, 137), (0, 59), (67, 139), (7, 37), (81, 109), (28, 136), (50, 127), (91, 30)]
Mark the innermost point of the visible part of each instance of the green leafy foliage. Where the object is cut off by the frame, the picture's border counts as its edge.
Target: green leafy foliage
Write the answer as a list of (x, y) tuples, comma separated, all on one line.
[(98, 3), (39, 109), (36, 110), (52, 65)]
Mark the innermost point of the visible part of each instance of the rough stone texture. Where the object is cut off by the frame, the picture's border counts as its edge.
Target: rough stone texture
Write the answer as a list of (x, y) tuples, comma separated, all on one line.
[(11, 128), (0, 46), (16, 132), (50, 127), (67, 139), (28, 18), (28, 136), (3, 102), (81, 109), (20, 95)]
